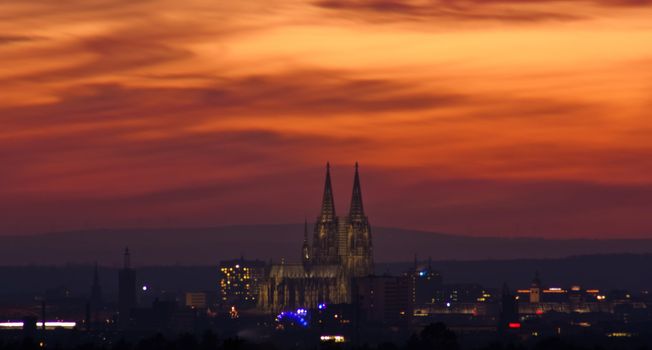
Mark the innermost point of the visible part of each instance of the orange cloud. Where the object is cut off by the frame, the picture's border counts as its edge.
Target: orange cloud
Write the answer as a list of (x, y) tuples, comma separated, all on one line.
[(468, 117)]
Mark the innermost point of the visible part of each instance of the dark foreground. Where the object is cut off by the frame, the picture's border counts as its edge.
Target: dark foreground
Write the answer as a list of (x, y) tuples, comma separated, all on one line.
[(434, 336)]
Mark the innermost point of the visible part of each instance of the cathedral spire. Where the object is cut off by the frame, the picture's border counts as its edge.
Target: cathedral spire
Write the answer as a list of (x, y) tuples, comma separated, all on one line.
[(357, 211), (328, 203)]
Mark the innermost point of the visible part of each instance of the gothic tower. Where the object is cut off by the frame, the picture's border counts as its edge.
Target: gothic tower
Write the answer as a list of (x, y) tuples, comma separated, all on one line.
[(535, 289), (359, 254), (341, 250), (325, 239), (343, 240)]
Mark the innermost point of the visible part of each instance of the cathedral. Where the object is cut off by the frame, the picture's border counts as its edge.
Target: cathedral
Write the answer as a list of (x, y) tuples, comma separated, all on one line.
[(341, 250)]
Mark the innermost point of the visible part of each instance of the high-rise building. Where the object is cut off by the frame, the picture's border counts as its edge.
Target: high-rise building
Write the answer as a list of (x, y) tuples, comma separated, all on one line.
[(239, 282), (126, 290), (341, 250), (384, 299), (509, 317), (427, 284)]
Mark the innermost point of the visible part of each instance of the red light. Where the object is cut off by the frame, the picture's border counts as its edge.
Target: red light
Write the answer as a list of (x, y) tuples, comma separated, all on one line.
[(514, 325), (539, 312)]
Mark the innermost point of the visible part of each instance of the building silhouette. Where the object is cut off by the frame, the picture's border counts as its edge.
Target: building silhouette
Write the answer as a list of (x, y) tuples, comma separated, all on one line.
[(126, 290), (509, 317), (426, 284), (341, 250), (384, 299), (95, 302)]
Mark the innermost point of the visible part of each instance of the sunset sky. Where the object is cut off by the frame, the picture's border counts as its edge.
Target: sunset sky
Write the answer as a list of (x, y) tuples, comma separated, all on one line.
[(475, 117)]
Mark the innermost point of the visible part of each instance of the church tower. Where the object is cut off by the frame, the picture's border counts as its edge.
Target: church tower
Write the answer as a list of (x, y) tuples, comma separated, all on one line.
[(359, 253), (535, 289), (340, 251), (325, 238)]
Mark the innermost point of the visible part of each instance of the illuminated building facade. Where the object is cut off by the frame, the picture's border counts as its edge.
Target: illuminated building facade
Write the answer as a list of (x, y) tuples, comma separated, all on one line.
[(239, 282), (535, 289), (538, 300), (341, 250)]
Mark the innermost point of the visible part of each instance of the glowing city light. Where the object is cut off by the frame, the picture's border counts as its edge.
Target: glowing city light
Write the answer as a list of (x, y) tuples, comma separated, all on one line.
[(233, 313), (144, 288), (333, 338), (48, 324), (292, 317), (321, 306), (555, 290), (57, 324), (619, 335), (11, 324)]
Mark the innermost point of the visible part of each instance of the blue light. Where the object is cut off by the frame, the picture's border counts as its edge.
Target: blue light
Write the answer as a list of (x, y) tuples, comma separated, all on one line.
[(292, 316), (321, 306), (302, 312), (422, 273)]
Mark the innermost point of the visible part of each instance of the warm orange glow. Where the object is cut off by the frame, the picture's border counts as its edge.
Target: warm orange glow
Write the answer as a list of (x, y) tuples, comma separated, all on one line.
[(531, 117)]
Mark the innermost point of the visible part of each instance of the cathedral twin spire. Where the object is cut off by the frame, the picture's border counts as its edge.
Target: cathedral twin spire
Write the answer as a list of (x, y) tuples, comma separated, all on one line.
[(343, 240), (356, 212)]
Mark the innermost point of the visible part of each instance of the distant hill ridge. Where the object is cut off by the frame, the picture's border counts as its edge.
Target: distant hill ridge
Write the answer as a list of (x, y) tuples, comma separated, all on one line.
[(207, 246)]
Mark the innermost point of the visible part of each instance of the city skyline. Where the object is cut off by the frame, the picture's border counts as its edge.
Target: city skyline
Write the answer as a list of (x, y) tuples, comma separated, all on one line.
[(325, 174), (501, 118)]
